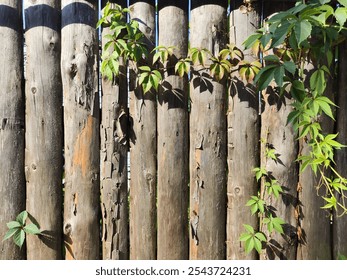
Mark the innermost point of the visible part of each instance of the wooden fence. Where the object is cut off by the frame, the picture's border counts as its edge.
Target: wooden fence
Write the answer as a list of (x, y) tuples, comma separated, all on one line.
[(192, 148)]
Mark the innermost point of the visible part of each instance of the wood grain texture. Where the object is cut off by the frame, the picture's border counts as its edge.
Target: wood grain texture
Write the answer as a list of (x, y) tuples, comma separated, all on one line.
[(173, 138), (243, 139), (114, 161), (81, 125), (208, 169), (143, 150), (12, 179), (44, 128)]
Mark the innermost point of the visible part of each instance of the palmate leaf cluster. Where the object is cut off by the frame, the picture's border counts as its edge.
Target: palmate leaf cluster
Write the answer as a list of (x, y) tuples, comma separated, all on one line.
[(287, 43), (18, 229)]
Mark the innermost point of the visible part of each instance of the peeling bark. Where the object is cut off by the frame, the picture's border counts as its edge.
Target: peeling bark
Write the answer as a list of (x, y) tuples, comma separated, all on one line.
[(243, 139), (44, 128), (114, 176), (143, 150), (81, 123), (173, 138), (12, 182), (208, 139)]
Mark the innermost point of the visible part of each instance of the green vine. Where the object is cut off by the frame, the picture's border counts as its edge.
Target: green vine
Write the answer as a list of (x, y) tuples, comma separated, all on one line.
[(288, 42)]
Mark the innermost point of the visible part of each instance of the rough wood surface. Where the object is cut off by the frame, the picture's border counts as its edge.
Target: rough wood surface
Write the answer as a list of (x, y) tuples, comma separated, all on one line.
[(12, 179), (208, 170), (314, 229), (275, 134), (340, 223), (44, 127), (81, 124), (173, 137), (243, 139), (114, 161), (143, 151)]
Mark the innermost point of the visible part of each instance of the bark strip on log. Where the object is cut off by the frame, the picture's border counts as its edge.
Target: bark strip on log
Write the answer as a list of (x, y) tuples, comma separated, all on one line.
[(208, 169), (114, 161), (81, 126)]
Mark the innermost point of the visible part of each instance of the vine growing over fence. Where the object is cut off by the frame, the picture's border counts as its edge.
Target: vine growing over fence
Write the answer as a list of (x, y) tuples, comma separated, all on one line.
[(288, 42)]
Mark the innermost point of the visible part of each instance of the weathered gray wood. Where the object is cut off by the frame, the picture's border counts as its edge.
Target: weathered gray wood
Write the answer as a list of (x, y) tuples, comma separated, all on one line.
[(275, 134), (44, 127), (173, 137), (12, 182), (143, 151), (208, 138), (314, 229), (340, 223), (243, 139), (81, 124), (114, 176)]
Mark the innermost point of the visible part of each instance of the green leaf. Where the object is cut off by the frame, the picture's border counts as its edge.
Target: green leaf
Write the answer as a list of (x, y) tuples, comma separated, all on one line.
[(19, 238), (249, 228), (302, 30), (145, 68), (10, 233), (341, 15), (265, 76), (331, 203), (318, 81), (325, 107), (257, 245), (260, 236), (249, 245), (343, 2), (279, 75), (290, 67), (245, 236), (21, 218), (14, 224), (251, 40), (32, 229)]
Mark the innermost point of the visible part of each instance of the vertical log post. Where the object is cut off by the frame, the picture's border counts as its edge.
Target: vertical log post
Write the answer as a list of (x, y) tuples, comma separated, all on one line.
[(277, 136), (81, 123), (314, 229), (12, 183), (173, 137), (44, 127), (114, 161), (243, 138), (143, 149), (340, 223), (208, 169)]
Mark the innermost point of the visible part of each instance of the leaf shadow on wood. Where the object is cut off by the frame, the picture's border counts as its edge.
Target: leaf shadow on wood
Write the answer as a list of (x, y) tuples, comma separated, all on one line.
[(245, 93), (203, 81), (274, 98), (174, 97), (47, 238)]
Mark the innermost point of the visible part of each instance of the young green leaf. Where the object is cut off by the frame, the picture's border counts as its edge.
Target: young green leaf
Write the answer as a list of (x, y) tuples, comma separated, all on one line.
[(32, 229), (10, 233), (19, 238), (14, 224), (22, 217), (302, 30)]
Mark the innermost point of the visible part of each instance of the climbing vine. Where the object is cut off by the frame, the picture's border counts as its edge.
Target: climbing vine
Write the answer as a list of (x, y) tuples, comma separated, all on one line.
[(287, 43)]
